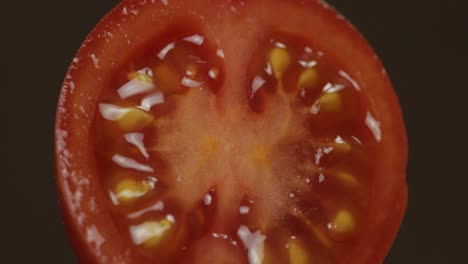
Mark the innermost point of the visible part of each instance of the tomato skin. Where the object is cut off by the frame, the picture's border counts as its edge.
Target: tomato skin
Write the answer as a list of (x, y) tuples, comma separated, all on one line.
[(83, 201)]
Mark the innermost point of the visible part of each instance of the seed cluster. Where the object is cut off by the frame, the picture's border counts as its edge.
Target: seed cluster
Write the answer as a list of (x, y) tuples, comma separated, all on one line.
[(283, 181)]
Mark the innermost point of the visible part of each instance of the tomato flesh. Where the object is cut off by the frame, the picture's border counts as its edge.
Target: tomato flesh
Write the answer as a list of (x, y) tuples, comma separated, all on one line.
[(277, 155), (261, 151)]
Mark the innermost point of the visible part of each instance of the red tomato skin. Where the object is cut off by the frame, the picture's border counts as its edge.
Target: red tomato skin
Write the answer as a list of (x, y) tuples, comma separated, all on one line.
[(85, 206)]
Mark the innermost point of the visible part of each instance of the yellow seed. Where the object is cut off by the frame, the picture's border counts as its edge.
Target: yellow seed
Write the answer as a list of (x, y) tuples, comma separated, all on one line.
[(347, 178), (342, 147), (141, 76), (128, 190), (308, 79), (150, 234), (343, 223), (330, 102), (297, 254), (191, 71), (135, 119), (280, 60)]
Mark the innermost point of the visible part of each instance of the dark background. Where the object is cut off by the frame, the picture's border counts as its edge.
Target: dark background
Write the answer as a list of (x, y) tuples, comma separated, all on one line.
[(422, 44)]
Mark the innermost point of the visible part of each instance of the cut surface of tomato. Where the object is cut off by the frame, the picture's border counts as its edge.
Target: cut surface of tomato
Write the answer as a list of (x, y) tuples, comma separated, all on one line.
[(215, 132)]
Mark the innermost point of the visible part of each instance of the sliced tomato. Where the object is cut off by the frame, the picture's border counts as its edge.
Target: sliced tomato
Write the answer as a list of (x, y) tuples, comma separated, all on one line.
[(229, 132)]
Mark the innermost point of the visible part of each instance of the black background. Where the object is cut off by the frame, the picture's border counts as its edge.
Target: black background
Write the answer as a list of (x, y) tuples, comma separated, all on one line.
[(421, 43)]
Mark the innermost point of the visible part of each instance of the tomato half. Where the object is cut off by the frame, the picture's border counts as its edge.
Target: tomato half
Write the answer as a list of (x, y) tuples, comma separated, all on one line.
[(229, 131)]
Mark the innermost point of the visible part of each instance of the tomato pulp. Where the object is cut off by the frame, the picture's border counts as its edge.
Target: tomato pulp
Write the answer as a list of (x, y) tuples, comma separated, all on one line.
[(215, 132)]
